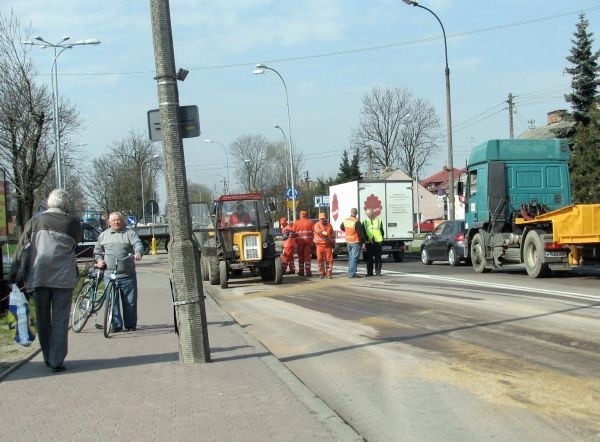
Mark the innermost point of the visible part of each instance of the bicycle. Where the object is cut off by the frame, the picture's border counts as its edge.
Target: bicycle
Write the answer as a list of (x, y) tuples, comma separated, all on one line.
[(87, 302)]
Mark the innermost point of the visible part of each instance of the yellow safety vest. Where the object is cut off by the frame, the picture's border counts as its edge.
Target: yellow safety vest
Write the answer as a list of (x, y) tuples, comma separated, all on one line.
[(373, 229)]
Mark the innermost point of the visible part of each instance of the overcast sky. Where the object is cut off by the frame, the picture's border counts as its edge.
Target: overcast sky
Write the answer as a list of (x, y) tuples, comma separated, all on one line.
[(330, 53)]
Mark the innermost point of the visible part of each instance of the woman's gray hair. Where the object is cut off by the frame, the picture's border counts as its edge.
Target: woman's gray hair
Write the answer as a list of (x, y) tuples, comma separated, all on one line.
[(58, 199)]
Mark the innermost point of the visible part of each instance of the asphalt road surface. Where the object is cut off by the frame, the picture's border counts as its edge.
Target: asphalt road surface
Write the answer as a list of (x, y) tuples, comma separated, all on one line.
[(433, 353)]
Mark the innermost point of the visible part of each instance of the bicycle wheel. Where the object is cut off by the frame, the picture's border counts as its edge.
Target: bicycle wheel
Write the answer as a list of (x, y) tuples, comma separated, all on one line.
[(82, 309), (111, 298)]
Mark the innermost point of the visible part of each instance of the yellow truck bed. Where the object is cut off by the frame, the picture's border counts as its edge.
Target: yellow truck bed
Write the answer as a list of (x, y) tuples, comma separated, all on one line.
[(577, 224)]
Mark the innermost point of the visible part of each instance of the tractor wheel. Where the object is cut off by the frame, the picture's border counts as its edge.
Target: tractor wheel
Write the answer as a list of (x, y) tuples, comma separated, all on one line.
[(223, 273), (278, 270), (213, 270)]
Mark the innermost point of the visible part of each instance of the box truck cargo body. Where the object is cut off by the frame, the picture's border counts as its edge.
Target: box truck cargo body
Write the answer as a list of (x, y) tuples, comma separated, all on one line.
[(391, 201)]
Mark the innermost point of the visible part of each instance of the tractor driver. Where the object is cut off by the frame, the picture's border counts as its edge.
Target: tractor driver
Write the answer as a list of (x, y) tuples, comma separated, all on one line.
[(240, 217)]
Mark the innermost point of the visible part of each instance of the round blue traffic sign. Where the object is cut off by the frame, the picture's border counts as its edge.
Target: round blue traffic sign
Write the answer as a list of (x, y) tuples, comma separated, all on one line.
[(292, 193)]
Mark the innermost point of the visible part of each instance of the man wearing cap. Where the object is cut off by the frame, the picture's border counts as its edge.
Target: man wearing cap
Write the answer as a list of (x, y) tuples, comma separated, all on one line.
[(303, 228), (289, 242), (355, 237), (324, 241), (374, 233)]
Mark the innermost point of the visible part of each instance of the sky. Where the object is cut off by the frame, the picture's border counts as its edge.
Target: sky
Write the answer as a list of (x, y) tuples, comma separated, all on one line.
[(330, 53)]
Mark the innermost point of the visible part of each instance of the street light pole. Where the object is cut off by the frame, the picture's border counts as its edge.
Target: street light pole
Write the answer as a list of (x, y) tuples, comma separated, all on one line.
[(286, 172), (448, 114), (226, 159), (56, 108), (260, 69), (153, 157)]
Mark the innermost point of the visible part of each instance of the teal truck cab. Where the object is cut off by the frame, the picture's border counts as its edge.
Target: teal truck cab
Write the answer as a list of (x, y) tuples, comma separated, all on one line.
[(518, 210)]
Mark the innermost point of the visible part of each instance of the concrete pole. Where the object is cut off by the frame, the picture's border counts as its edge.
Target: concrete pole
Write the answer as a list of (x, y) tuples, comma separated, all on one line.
[(190, 311)]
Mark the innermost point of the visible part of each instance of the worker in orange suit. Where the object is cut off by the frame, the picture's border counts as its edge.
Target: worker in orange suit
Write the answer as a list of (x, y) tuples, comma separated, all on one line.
[(303, 228), (289, 243), (324, 240)]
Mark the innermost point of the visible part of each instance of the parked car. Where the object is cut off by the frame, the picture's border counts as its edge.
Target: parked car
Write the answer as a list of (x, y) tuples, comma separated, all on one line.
[(445, 243), (426, 226)]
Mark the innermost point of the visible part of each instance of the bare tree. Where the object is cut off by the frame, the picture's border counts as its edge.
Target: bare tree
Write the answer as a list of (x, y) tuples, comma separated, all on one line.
[(114, 181), (25, 121), (252, 153), (396, 130)]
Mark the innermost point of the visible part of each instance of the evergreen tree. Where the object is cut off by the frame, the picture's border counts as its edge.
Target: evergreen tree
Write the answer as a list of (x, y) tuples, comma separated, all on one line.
[(344, 168), (354, 172), (349, 170), (584, 73), (585, 162)]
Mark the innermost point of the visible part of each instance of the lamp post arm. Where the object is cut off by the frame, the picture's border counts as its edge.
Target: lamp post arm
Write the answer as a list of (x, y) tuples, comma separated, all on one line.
[(291, 148)]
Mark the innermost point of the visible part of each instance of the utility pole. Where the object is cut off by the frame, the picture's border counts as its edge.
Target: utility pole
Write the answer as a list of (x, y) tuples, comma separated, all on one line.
[(510, 116), (190, 311)]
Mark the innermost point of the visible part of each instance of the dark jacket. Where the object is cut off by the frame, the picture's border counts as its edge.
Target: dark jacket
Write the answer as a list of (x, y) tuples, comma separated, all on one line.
[(53, 235)]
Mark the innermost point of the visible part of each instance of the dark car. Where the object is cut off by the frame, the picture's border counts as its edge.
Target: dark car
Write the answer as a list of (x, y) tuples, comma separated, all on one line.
[(445, 243), (85, 249)]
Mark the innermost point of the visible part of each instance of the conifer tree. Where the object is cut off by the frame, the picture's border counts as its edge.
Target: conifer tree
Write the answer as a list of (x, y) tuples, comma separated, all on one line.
[(585, 162), (584, 73)]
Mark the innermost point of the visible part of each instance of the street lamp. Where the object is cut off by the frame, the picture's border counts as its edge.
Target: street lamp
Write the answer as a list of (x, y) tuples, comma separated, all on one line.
[(247, 161), (286, 172), (260, 69), (62, 46), (448, 115), (153, 157), (226, 158)]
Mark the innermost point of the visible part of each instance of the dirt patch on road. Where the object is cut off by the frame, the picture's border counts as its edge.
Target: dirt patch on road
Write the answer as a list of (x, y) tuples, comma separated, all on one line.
[(502, 379)]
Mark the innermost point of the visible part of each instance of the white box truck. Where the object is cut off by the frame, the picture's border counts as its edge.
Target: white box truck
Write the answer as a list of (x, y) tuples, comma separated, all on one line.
[(392, 201)]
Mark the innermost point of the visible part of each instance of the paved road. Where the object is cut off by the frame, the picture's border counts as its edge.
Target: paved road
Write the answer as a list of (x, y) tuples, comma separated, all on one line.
[(419, 356)]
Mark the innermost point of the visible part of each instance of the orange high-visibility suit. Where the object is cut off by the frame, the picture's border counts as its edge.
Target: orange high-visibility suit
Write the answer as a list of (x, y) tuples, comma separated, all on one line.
[(289, 243), (324, 240), (304, 238)]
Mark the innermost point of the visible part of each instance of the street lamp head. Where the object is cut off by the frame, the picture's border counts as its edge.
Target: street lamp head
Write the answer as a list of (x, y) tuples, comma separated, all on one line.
[(410, 3), (258, 71), (38, 38), (277, 126), (261, 66), (89, 41), (65, 38)]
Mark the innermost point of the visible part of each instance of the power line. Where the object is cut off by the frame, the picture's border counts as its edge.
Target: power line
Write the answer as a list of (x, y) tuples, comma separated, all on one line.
[(359, 50)]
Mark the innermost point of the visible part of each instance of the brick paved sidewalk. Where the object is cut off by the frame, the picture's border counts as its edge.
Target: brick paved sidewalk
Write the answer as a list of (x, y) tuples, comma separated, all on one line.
[(133, 387)]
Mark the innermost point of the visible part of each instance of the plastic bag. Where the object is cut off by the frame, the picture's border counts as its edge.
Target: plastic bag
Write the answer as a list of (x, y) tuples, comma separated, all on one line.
[(19, 307)]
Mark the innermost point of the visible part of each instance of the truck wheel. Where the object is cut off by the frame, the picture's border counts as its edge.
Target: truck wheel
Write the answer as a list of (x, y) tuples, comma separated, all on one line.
[(278, 270), (533, 255), (478, 254), (425, 258), (398, 256), (213, 270), (204, 268), (453, 257), (223, 273)]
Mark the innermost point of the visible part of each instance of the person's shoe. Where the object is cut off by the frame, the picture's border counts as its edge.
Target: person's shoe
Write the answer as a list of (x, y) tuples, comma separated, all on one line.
[(322, 277), (130, 329), (300, 274), (369, 274), (59, 369), (309, 274), (116, 330), (357, 276), (330, 277), (378, 273)]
